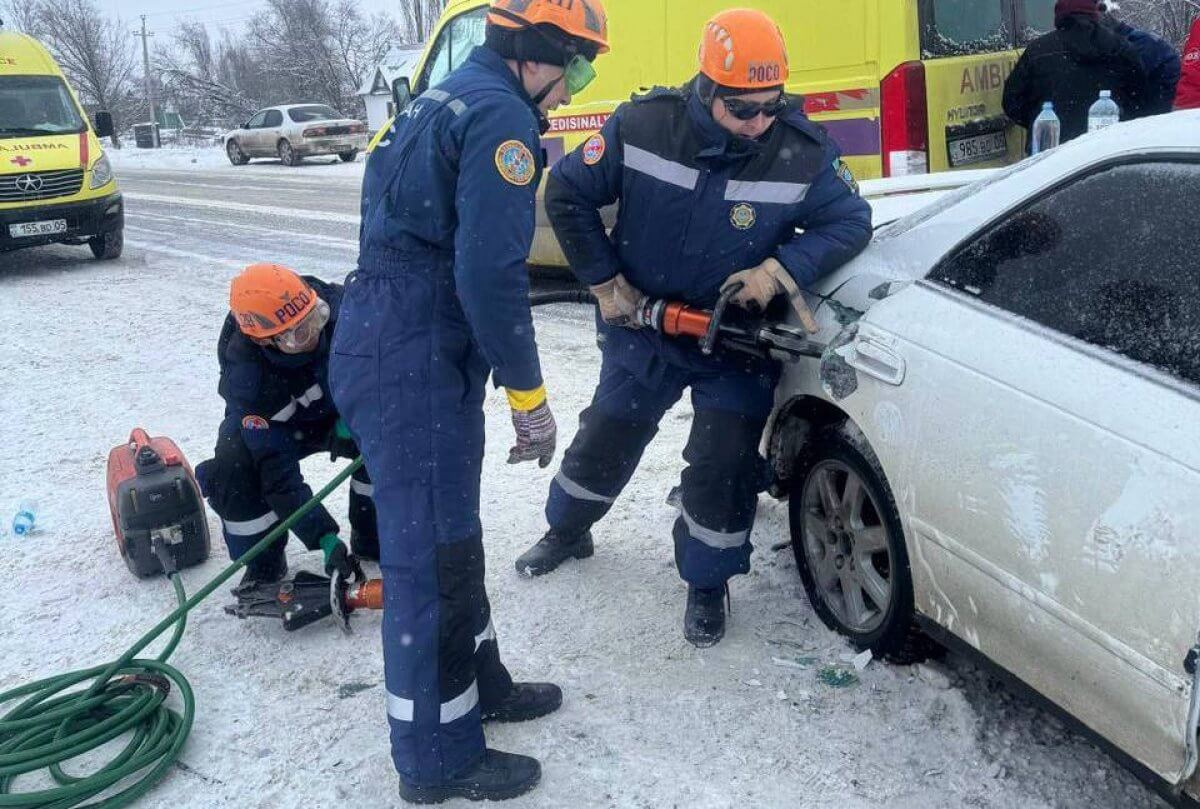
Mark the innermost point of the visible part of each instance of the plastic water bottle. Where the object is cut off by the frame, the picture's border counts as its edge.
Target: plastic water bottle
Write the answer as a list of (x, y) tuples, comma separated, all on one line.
[(1104, 112), (1047, 129), (26, 517)]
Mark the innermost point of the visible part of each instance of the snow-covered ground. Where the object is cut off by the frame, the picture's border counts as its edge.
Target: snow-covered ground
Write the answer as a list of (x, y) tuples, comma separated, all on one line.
[(92, 350)]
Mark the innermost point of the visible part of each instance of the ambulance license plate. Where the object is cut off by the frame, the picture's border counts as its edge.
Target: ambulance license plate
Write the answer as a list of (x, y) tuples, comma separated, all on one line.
[(978, 149), (46, 228)]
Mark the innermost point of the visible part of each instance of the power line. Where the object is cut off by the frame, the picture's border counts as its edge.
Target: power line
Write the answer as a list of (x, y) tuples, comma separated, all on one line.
[(194, 9)]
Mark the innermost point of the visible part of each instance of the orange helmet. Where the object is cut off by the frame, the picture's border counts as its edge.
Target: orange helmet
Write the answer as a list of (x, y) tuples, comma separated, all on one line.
[(744, 49), (267, 299), (580, 19)]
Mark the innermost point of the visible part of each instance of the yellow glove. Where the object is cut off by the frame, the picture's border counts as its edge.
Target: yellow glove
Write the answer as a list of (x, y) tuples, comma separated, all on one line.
[(618, 301), (759, 285)]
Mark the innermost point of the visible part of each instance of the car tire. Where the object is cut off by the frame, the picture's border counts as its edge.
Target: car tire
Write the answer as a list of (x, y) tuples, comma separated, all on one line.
[(348, 157), (850, 548), (107, 246), (235, 154), (287, 153)]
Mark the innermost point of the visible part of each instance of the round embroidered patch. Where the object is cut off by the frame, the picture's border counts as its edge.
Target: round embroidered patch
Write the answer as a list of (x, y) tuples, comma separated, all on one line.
[(515, 162), (743, 216), (593, 150), (254, 423)]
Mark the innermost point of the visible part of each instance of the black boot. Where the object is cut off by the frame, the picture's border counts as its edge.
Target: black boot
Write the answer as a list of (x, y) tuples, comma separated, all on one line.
[(524, 702), (498, 777), (363, 546), (704, 619), (552, 550), (262, 572)]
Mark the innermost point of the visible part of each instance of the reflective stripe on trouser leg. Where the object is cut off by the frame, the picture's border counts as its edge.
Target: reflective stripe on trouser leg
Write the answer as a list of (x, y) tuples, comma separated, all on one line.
[(468, 640), (607, 448), (719, 498)]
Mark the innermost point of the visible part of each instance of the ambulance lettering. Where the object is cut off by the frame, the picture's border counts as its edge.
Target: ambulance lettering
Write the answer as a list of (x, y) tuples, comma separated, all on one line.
[(984, 78)]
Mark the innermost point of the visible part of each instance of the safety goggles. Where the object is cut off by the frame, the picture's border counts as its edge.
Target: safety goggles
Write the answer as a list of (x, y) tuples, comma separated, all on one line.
[(749, 110), (302, 336), (578, 73)]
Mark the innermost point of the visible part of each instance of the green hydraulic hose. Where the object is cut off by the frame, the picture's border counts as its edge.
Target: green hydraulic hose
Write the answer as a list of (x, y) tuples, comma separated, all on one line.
[(127, 696)]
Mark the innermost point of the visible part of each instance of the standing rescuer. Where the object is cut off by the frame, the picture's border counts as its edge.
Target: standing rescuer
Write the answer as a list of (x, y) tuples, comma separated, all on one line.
[(274, 358), (439, 301), (713, 180)]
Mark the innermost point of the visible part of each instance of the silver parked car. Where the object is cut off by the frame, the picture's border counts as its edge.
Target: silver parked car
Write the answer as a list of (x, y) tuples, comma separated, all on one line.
[(295, 131)]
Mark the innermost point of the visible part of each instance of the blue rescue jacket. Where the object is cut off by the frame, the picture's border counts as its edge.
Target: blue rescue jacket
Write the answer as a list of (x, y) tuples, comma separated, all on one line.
[(1163, 68), (282, 403), (455, 181), (697, 205)]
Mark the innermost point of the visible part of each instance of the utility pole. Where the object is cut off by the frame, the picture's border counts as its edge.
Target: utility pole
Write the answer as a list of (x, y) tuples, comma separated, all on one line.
[(145, 35)]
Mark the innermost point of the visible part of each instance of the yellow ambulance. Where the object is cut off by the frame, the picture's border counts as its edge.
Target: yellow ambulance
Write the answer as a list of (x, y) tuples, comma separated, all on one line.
[(56, 184), (904, 86)]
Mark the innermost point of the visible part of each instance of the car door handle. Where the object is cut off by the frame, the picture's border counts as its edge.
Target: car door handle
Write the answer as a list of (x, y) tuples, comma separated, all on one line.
[(877, 360)]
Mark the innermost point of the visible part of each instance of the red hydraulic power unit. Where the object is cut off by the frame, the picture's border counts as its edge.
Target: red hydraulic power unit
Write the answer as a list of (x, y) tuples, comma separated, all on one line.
[(153, 497)]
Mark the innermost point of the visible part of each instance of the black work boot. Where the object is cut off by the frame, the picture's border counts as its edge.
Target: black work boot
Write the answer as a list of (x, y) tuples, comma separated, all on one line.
[(262, 572), (524, 702), (364, 546), (704, 618), (498, 777), (552, 550)]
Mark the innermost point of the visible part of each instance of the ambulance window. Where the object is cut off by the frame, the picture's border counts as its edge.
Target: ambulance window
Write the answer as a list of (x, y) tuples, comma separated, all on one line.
[(1067, 263), (1034, 18), (963, 27), (36, 105), (452, 47)]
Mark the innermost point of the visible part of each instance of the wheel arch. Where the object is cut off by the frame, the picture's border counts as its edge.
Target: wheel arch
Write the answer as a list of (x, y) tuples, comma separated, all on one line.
[(791, 428)]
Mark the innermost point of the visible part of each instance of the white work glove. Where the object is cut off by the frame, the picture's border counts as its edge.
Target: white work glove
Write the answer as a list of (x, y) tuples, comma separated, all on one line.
[(618, 301), (760, 285)]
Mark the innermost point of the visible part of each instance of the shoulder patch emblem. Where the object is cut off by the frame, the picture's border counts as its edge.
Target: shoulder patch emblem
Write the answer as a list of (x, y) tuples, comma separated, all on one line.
[(255, 423), (845, 175), (743, 216), (515, 162), (594, 149)]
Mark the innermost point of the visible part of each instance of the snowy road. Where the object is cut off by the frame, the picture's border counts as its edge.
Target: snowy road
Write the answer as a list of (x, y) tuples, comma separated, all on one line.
[(92, 349)]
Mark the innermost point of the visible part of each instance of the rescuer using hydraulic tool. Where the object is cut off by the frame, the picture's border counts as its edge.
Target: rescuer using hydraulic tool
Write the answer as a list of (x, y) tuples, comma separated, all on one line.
[(274, 358), (713, 180)]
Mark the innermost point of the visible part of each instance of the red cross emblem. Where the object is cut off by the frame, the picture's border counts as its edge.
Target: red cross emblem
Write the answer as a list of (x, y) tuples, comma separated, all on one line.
[(21, 160)]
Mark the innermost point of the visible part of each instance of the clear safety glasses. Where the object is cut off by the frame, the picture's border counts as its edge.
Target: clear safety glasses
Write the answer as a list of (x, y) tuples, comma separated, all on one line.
[(578, 74), (303, 335)]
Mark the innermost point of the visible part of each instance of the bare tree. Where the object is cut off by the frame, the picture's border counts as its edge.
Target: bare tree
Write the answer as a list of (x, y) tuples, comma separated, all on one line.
[(1170, 19), (93, 48), (418, 18), (208, 84)]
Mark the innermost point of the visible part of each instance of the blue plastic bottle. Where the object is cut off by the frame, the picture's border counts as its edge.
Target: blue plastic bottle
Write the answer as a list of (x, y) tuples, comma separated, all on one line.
[(26, 518), (1047, 130)]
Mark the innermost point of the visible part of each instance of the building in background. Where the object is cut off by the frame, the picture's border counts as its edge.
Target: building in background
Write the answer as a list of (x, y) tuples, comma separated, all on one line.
[(399, 63)]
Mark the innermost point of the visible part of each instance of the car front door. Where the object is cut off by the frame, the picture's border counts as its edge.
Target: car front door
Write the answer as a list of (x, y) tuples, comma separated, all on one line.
[(271, 132), (250, 137), (1053, 499)]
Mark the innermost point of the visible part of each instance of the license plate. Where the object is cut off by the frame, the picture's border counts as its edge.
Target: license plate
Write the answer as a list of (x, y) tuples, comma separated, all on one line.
[(47, 228), (978, 149)]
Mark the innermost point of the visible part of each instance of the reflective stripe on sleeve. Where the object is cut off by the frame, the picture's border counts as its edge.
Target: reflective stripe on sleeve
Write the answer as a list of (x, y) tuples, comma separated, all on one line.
[(309, 396), (362, 487)]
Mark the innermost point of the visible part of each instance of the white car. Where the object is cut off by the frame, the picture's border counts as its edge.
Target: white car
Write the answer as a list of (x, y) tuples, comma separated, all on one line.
[(295, 131), (1001, 444)]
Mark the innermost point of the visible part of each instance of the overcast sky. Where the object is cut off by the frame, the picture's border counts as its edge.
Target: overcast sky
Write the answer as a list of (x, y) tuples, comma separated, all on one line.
[(162, 15)]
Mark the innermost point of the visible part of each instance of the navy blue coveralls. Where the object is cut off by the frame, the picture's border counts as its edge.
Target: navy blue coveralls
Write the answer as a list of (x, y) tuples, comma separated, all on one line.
[(696, 205), (277, 412), (439, 301)]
